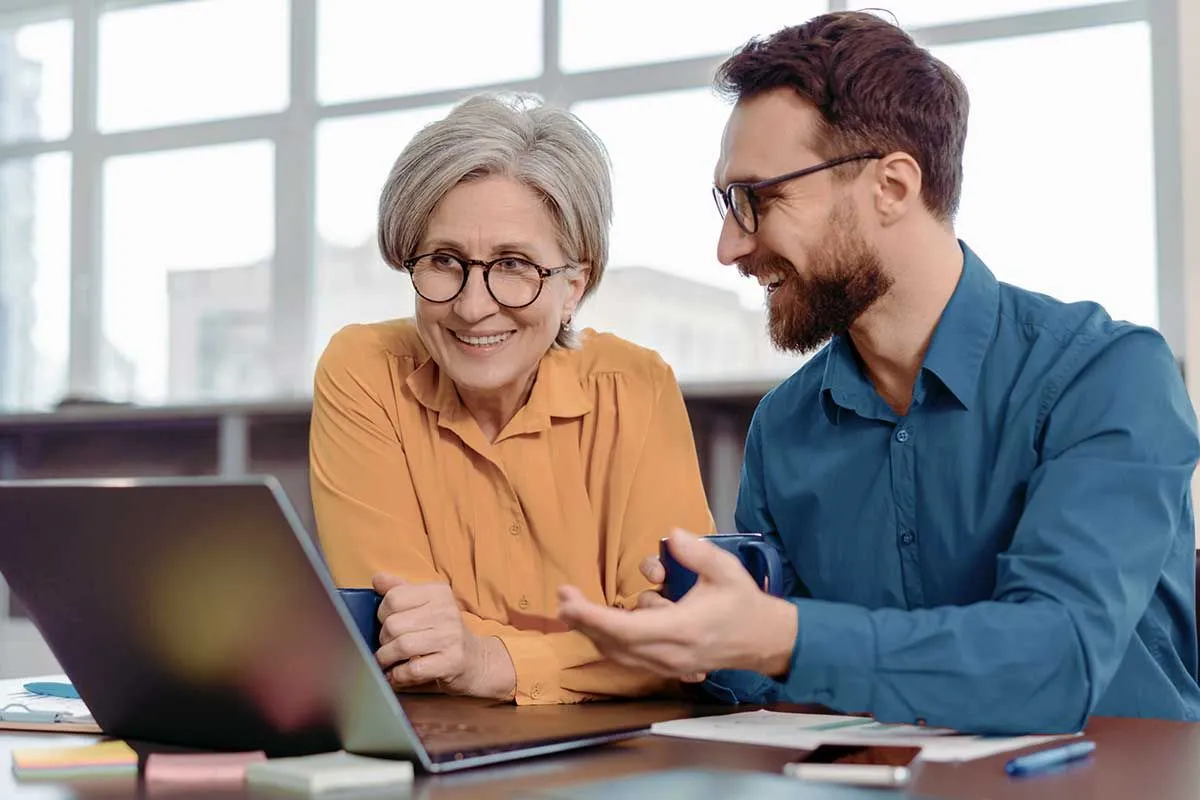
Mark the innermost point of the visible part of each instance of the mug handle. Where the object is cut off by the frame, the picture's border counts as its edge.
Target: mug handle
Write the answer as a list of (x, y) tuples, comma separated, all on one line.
[(772, 572)]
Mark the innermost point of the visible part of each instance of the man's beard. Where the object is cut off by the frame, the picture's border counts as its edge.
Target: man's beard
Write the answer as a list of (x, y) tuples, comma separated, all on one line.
[(844, 278)]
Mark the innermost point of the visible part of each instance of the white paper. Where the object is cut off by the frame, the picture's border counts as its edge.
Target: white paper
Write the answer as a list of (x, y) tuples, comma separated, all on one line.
[(807, 731), (12, 693)]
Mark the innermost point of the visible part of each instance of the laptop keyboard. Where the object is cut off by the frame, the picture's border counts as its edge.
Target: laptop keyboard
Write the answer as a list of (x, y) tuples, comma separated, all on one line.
[(446, 731)]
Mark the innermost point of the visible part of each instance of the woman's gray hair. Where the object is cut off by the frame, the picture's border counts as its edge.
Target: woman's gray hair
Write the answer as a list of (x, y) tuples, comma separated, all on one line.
[(516, 135)]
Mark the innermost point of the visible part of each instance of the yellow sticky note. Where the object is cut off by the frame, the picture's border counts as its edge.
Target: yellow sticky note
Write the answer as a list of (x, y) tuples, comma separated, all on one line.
[(110, 753)]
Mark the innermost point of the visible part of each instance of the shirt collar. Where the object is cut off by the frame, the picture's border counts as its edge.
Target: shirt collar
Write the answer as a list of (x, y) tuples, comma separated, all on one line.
[(843, 385), (955, 355), (965, 331), (557, 393)]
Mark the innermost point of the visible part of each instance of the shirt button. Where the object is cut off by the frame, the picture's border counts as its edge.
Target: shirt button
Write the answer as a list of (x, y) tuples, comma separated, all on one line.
[(907, 537), (902, 436), (524, 604), (515, 529)]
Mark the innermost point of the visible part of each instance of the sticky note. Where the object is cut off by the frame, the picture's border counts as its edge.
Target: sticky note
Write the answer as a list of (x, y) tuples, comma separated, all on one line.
[(204, 768), (112, 757)]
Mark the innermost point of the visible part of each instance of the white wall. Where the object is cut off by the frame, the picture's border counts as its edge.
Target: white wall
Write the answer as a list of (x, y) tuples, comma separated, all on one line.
[(1189, 109), (22, 650)]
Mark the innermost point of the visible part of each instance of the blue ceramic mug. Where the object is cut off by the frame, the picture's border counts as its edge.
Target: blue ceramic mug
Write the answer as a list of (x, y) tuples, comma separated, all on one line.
[(758, 557), (363, 605)]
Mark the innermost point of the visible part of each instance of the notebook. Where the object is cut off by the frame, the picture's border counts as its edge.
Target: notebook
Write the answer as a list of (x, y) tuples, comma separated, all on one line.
[(327, 771), (24, 710)]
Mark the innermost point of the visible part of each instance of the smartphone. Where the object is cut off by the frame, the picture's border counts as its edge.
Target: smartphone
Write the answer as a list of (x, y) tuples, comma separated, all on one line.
[(863, 765)]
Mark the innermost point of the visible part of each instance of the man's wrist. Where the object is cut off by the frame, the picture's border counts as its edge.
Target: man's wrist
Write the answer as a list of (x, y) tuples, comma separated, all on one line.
[(780, 626)]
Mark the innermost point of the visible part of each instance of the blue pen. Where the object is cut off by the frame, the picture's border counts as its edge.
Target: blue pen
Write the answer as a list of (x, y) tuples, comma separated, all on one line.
[(1048, 759)]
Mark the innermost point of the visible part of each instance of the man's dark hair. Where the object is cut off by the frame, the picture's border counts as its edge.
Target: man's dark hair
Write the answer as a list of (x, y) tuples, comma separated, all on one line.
[(875, 89)]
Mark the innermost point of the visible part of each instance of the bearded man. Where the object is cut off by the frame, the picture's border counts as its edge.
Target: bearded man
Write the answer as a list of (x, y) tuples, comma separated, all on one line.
[(981, 494)]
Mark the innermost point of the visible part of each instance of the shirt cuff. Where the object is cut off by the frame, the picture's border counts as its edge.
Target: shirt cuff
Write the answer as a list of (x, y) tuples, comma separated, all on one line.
[(735, 686), (833, 662), (537, 670)]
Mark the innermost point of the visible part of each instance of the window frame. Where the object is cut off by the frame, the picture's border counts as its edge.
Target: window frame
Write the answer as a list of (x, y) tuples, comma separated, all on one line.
[(292, 131)]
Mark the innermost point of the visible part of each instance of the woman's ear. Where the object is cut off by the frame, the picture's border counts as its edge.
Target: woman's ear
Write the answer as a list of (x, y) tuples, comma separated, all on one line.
[(578, 281)]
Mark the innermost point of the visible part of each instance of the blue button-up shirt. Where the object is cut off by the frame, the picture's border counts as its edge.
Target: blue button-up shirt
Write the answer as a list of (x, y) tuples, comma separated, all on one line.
[(1013, 554)]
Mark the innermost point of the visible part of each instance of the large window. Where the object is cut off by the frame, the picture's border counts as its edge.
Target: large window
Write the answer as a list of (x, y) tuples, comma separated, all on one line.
[(1059, 173), (376, 48), (618, 33), (191, 61), (915, 13), (194, 218), (34, 280), (188, 242), (35, 81), (352, 284), (35, 212)]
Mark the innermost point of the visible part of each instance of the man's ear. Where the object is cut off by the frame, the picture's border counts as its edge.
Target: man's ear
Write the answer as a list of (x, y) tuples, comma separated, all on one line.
[(897, 189)]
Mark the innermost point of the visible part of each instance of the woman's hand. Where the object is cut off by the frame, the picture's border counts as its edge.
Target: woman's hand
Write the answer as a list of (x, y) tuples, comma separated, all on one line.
[(423, 641)]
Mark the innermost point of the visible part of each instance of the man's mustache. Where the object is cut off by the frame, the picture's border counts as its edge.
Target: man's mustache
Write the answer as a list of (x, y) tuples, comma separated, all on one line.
[(754, 267)]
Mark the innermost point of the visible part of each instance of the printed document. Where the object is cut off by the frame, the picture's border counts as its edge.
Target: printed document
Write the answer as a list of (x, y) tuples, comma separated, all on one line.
[(808, 731)]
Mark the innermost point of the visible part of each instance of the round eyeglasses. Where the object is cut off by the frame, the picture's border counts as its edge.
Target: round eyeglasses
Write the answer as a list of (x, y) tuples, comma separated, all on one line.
[(512, 282), (742, 198)]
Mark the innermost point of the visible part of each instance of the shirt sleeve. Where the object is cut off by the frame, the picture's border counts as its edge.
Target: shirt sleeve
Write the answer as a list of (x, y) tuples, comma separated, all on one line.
[(367, 512), (563, 667), (753, 516), (1108, 504), (666, 490)]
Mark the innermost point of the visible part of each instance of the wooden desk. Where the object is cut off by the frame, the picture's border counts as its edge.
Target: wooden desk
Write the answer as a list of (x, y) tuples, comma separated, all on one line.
[(1134, 759)]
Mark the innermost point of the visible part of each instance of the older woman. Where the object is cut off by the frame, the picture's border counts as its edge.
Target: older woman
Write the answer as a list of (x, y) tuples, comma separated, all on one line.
[(468, 462)]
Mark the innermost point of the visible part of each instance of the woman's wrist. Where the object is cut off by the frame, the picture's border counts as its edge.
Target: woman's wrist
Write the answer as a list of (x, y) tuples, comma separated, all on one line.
[(495, 676)]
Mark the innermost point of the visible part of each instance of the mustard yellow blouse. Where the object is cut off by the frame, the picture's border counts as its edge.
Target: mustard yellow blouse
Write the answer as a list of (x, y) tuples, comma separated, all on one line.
[(578, 488)]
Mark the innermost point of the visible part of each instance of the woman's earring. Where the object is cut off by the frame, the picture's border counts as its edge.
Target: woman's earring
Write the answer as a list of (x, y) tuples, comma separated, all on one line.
[(566, 323)]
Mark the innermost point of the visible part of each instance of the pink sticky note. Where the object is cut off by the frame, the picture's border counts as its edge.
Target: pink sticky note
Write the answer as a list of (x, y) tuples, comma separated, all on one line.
[(206, 768)]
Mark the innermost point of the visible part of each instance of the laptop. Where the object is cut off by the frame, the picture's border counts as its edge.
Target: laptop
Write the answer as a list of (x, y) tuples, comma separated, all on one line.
[(198, 612)]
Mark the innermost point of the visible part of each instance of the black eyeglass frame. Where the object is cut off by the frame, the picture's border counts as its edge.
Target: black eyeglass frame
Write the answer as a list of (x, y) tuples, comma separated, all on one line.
[(410, 264), (724, 201)]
